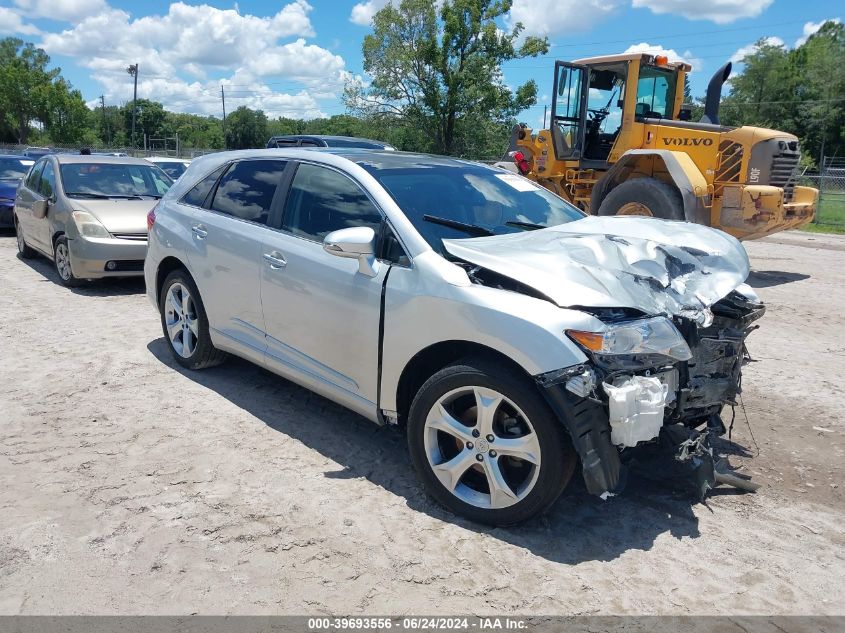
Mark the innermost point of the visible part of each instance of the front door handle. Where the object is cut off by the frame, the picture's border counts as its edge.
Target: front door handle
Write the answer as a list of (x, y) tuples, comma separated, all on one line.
[(199, 231), (275, 259)]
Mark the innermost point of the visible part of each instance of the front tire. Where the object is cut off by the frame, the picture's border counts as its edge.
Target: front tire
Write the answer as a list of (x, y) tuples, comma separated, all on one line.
[(185, 324), (24, 251), (645, 197), (61, 260), (486, 445)]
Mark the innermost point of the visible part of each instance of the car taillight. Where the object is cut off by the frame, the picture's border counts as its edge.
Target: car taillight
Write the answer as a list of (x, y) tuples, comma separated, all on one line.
[(521, 162), (151, 218)]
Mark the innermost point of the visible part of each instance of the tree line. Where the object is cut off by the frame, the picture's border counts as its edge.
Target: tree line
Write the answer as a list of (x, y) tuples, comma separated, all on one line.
[(436, 86)]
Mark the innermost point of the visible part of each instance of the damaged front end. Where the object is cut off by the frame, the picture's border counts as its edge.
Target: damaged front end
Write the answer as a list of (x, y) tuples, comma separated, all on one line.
[(675, 314), (644, 409)]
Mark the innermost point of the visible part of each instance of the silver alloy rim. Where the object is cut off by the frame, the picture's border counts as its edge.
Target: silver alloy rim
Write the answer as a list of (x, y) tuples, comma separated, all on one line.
[(180, 319), (482, 447), (63, 261), (21, 241)]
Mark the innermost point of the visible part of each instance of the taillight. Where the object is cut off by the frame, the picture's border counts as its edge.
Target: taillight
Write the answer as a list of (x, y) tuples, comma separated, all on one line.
[(521, 162), (151, 218)]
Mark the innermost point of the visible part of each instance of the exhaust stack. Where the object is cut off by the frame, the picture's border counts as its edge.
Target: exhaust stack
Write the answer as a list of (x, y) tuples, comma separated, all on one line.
[(714, 94)]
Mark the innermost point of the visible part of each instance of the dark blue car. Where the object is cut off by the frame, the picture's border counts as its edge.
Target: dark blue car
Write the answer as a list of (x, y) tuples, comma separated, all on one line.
[(12, 169)]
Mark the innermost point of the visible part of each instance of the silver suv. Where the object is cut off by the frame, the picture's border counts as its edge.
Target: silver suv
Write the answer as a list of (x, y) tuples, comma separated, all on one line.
[(512, 334)]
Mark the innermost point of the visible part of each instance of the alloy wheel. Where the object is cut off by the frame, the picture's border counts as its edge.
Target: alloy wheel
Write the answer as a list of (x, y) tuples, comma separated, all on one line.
[(482, 447), (63, 261), (19, 237), (180, 318)]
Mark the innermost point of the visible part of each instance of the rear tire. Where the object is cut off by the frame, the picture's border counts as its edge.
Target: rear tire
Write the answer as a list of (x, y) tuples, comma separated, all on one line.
[(24, 251), (644, 197), (486, 445), (185, 324)]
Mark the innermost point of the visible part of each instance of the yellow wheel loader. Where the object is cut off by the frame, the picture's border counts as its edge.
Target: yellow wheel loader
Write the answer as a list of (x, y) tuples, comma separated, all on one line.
[(620, 142)]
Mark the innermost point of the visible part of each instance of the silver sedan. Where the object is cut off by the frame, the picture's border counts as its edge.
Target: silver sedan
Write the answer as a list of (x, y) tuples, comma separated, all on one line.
[(513, 336), (88, 214)]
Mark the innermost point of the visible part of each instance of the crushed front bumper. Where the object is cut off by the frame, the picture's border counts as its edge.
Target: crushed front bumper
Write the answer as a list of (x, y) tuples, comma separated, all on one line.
[(695, 393)]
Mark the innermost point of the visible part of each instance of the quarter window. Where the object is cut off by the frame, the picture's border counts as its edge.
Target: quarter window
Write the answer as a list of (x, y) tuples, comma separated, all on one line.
[(321, 201), (197, 195), (246, 190)]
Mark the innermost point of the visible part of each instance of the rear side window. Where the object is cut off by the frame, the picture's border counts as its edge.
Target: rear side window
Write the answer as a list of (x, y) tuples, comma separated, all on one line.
[(200, 191), (246, 190), (34, 176), (322, 200), (47, 187)]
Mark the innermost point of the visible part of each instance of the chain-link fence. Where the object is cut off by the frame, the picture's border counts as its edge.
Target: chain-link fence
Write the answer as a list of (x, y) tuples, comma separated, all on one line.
[(32, 150), (830, 181)]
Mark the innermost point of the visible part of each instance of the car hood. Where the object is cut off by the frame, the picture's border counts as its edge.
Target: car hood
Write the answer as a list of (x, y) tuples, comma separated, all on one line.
[(118, 216), (657, 266), (8, 188)]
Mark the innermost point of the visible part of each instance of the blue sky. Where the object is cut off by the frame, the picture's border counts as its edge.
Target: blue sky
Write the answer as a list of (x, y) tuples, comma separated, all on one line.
[(292, 57)]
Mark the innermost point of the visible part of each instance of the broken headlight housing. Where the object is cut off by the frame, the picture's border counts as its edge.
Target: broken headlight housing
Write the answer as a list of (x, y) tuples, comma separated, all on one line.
[(654, 336)]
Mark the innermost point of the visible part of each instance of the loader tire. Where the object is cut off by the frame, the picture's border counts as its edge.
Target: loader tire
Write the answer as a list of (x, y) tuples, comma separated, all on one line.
[(645, 197)]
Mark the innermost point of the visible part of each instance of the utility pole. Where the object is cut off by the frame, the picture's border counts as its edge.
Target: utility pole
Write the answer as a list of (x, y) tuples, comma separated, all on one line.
[(133, 70), (105, 128), (545, 107), (223, 98)]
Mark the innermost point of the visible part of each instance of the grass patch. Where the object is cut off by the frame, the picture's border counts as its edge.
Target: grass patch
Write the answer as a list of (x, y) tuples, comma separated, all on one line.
[(830, 216)]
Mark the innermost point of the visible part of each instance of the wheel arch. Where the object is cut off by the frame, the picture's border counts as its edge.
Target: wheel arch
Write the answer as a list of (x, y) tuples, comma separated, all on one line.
[(674, 168), (165, 267), (429, 360)]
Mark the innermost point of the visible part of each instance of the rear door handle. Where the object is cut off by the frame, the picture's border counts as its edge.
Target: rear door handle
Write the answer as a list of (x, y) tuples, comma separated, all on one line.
[(275, 259), (199, 231)]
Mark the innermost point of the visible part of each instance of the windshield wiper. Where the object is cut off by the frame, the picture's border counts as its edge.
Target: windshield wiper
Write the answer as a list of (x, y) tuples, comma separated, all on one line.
[(530, 226), (87, 194), (461, 226)]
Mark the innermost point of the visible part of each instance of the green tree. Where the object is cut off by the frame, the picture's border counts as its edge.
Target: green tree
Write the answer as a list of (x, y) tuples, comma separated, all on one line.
[(801, 91), (25, 85), (149, 120), (246, 129), (439, 72)]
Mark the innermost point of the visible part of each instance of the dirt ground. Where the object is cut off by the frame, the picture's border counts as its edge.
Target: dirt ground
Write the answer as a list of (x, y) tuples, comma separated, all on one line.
[(131, 486)]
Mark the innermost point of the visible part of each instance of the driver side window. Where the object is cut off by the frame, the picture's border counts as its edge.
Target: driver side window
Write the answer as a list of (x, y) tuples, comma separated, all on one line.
[(47, 187), (322, 200)]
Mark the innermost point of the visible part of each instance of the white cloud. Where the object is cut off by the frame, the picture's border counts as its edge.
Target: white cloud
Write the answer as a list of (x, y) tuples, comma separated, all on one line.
[(718, 11), (363, 12), (750, 49), (559, 16), (11, 22), (810, 28), (61, 10), (182, 53), (656, 49)]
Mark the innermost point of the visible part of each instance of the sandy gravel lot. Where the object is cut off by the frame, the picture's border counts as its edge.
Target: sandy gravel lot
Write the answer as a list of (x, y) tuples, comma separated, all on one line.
[(128, 485)]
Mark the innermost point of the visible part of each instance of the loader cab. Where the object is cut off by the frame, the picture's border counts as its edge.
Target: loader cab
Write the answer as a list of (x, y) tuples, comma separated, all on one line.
[(597, 101)]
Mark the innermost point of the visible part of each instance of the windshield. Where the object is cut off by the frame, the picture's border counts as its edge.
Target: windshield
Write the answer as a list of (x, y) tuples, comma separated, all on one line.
[(446, 201), (14, 168), (173, 169), (114, 180)]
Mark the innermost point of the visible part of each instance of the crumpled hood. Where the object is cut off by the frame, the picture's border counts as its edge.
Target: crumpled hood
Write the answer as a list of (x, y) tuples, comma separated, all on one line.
[(118, 216), (653, 265)]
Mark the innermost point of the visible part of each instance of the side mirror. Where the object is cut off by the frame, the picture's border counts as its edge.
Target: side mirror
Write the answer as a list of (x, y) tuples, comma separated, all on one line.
[(357, 242), (39, 209)]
